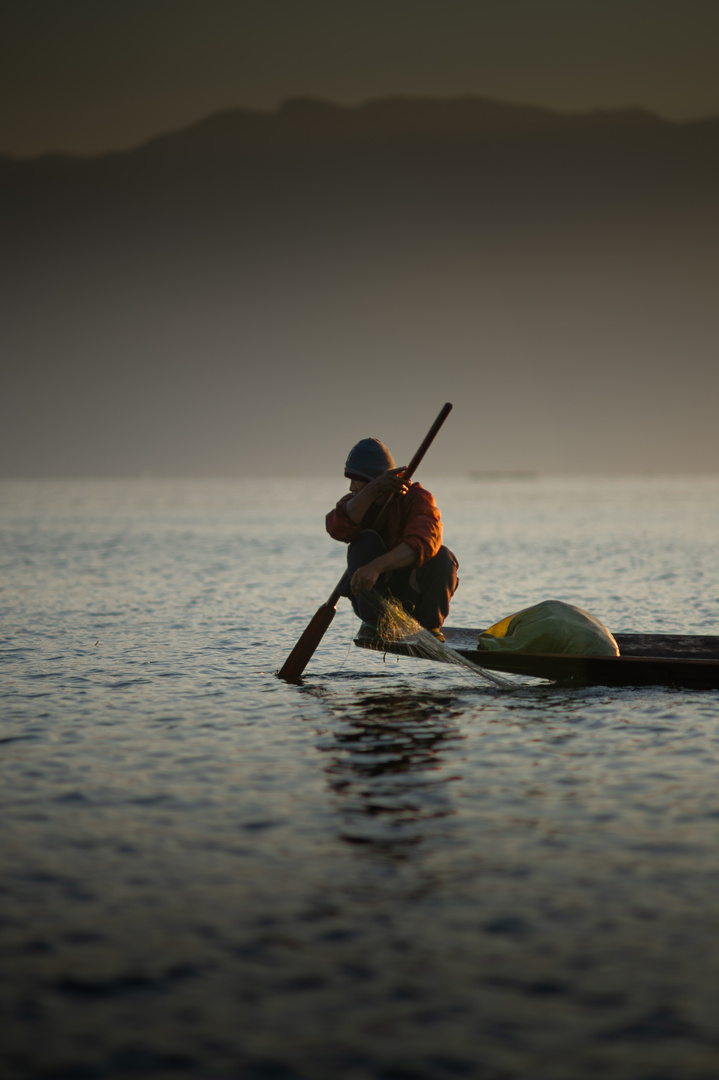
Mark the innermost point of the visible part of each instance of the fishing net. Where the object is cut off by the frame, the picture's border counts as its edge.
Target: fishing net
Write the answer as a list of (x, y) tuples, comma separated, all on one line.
[(394, 624)]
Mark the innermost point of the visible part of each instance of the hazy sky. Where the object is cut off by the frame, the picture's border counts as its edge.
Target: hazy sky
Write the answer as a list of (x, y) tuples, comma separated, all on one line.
[(589, 349), (86, 76)]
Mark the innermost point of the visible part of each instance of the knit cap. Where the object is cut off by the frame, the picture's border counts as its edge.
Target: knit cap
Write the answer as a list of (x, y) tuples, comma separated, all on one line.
[(368, 459)]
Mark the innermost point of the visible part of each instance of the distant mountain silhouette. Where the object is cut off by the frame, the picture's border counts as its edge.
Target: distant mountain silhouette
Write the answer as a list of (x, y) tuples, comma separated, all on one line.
[(449, 155), (313, 173), (314, 123), (278, 228)]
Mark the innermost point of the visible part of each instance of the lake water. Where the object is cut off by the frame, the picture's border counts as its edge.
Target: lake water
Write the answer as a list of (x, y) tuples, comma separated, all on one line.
[(394, 871)]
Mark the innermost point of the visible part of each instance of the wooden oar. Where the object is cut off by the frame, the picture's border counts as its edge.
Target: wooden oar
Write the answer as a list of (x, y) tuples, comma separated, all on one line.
[(297, 661)]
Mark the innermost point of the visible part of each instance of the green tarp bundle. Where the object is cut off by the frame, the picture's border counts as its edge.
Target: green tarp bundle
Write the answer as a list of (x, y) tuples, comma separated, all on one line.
[(550, 627)]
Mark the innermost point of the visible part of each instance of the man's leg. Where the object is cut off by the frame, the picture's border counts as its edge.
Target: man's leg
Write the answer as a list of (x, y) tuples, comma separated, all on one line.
[(425, 591), (366, 546)]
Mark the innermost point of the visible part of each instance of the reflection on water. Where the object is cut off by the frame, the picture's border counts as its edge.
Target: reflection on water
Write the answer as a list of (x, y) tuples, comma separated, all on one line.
[(391, 761)]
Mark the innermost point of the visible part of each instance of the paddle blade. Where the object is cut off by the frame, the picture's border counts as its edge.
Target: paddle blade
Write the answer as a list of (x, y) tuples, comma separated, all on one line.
[(299, 658)]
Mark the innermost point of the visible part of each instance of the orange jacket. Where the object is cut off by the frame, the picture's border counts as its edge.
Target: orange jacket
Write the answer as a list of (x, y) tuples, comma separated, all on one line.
[(412, 518)]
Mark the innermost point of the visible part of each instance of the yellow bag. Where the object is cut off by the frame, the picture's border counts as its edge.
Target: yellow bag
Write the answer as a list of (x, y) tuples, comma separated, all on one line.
[(550, 627)]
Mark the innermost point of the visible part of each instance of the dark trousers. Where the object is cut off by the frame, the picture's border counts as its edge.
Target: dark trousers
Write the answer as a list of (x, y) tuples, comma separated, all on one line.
[(423, 591)]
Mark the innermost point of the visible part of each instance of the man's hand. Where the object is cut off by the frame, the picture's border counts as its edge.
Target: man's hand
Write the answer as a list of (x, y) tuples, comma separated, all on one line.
[(365, 577), (391, 482), (367, 492)]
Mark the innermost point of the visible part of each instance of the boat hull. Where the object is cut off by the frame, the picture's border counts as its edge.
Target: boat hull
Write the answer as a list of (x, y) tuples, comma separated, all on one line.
[(689, 661)]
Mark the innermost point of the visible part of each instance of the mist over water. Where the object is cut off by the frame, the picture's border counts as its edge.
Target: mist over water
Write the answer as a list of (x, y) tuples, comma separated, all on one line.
[(393, 869)]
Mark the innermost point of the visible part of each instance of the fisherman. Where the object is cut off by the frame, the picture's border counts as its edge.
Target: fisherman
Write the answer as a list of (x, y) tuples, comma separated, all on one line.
[(394, 532)]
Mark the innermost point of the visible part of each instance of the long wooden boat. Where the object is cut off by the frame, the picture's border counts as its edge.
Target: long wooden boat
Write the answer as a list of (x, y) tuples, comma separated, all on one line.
[(688, 661)]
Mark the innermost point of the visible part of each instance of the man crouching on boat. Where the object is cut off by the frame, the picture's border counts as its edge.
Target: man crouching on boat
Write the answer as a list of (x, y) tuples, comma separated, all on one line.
[(394, 532)]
